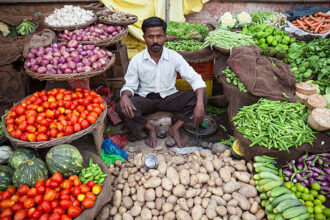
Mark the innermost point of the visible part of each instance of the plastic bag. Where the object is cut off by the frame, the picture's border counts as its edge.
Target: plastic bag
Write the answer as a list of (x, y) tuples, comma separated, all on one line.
[(110, 159), (112, 149), (119, 140)]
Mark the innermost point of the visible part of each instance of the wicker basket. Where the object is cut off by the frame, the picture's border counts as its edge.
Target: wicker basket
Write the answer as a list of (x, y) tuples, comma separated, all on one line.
[(56, 141), (70, 76), (221, 49), (106, 42), (72, 27), (123, 22)]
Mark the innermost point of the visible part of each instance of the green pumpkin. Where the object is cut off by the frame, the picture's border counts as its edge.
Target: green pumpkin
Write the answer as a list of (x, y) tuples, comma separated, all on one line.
[(20, 155), (29, 172), (7, 170), (5, 181), (65, 159)]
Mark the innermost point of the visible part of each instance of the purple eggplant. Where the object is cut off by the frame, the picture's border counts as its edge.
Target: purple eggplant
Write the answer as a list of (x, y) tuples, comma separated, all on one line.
[(311, 180), (325, 188), (327, 155), (309, 163), (316, 169), (300, 166), (311, 157), (303, 183), (308, 175), (306, 182), (320, 161), (315, 175), (299, 176), (327, 171), (286, 178), (301, 159), (287, 172)]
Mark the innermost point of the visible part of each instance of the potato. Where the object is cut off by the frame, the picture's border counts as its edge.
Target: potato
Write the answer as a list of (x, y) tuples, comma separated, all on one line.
[(184, 177), (219, 200), (190, 203), (176, 208), (242, 176), (239, 165), (210, 210), (193, 180), (140, 194), (127, 202), (172, 175), (227, 153), (218, 182), (248, 191), (231, 210), (135, 211), (243, 202), (197, 200), (167, 207), (146, 214), (178, 160), (190, 193), (231, 186), (150, 195), (197, 212), (116, 198), (250, 167), (225, 174), (155, 212), (179, 190), (183, 204), (232, 202), (159, 192), (217, 191), (169, 216), (166, 193), (113, 211), (221, 210), (162, 167), (260, 214), (226, 197), (150, 205), (159, 203), (206, 154), (205, 202), (117, 217), (104, 213), (153, 182), (167, 184), (238, 212), (127, 216), (217, 163), (138, 160), (248, 216), (182, 215), (172, 199), (202, 177), (254, 207), (126, 190), (208, 165), (122, 210)]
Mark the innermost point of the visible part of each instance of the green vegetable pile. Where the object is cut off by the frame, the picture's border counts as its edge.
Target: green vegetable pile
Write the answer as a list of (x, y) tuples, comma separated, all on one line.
[(227, 39), (186, 30), (308, 58), (184, 45), (228, 142), (231, 77), (274, 124), (261, 17), (211, 110), (92, 172), (273, 41)]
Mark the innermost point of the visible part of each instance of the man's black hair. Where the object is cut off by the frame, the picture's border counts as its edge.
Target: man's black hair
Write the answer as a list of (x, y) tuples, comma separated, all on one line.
[(153, 22)]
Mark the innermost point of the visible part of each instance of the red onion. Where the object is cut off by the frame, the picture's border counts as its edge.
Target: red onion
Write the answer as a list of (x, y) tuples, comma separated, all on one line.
[(34, 68), (49, 49), (42, 69), (94, 58), (55, 46), (79, 38), (83, 53), (47, 57), (103, 61), (49, 66), (86, 62), (71, 49), (118, 28), (62, 60), (28, 64), (31, 55), (74, 54), (72, 65), (80, 64), (85, 38), (103, 37), (59, 72), (33, 61), (97, 65), (90, 47), (56, 54), (88, 69), (67, 70), (101, 54), (54, 61), (38, 60), (90, 53), (100, 25), (110, 29), (53, 71), (39, 53), (109, 53), (66, 31), (73, 43), (76, 59), (74, 71), (68, 59), (66, 54), (80, 69), (34, 50), (114, 33)]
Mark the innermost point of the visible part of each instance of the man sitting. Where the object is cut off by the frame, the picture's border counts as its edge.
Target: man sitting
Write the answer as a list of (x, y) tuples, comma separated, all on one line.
[(150, 86)]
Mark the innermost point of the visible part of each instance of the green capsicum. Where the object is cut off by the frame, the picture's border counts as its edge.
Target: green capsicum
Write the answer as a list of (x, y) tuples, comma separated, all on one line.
[(270, 40)]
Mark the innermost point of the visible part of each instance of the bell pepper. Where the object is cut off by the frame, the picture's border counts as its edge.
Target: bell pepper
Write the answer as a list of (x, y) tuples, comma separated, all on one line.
[(274, 43), (286, 40), (278, 38), (260, 35), (307, 74), (264, 46), (270, 40), (262, 41), (270, 29), (292, 40), (278, 31), (301, 69)]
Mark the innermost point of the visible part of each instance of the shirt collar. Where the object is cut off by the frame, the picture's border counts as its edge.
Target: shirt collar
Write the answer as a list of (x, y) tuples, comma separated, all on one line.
[(146, 55)]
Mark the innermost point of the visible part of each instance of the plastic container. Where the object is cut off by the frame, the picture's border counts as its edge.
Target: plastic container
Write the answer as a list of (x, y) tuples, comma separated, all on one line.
[(204, 69), (183, 85)]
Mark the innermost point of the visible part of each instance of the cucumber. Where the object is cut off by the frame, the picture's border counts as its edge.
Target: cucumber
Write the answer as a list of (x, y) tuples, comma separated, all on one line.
[(269, 165), (269, 207), (263, 203), (263, 196), (264, 160), (264, 181), (278, 191), (269, 186), (294, 212), (269, 157), (279, 217), (286, 205), (302, 217), (271, 216), (267, 175), (266, 169), (281, 198)]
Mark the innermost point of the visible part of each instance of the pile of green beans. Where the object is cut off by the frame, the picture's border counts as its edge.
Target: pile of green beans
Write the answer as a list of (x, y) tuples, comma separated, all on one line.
[(231, 77), (274, 124), (92, 172), (227, 39), (184, 45)]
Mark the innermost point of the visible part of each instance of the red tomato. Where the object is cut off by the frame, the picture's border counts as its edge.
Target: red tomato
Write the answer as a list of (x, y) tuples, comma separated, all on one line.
[(54, 216), (7, 203), (41, 189), (20, 110), (44, 216), (80, 108), (85, 102), (42, 137), (20, 215), (10, 127), (23, 126), (6, 218), (58, 210), (73, 177), (32, 192), (98, 110), (6, 195), (67, 184), (28, 203), (39, 183), (59, 96), (77, 182), (65, 217), (32, 137), (79, 89), (44, 122), (22, 190), (50, 113), (59, 135), (37, 214), (31, 211), (42, 129), (76, 203), (54, 184), (17, 206), (31, 128), (31, 120), (55, 203), (85, 189), (50, 195), (102, 106), (15, 198), (53, 105), (65, 196), (67, 97), (90, 108), (84, 124), (11, 189), (47, 182), (46, 206), (76, 191), (6, 212), (57, 177), (65, 203), (91, 119), (73, 119), (18, 134), (22, 198), (90, 183), (68, 130), (24, 136), (74, 211), (45, 105), (90, 195), (38, 199), (65, 192)]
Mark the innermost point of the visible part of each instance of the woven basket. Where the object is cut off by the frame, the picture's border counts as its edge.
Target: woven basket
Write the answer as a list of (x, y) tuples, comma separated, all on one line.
[(106, 42), (72, 27), (221, 49), (105, 20), (3, 139), (70, 76), (56, 141)]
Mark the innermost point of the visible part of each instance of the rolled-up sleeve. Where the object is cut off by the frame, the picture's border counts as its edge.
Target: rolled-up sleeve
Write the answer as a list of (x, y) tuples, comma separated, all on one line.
[(131, 77), (188, 73)]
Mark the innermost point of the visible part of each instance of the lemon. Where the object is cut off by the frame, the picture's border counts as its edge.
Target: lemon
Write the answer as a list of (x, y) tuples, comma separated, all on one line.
[(309, 203), (300, 187), (317, 209), (298, 194), (316, 186), (288, 185), (310, 210), (314, 192), (317, 202), (294, 189), (306, 190), (305, 197), (321, 198), (326, 212), (319, 216)]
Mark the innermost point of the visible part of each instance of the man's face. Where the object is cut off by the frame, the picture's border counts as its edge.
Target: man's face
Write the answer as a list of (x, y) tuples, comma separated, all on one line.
[(155, 38)]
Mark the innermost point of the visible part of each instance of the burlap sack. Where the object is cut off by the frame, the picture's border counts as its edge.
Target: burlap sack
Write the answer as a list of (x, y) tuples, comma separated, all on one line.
[(10, 49), (14, 17), (106, 194), (42, 39)]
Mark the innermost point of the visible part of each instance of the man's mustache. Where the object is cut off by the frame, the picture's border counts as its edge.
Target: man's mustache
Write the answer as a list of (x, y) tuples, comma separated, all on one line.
[(156, 44)]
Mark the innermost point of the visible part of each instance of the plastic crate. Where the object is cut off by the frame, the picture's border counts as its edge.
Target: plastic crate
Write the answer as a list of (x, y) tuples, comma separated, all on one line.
[(204, 69), (183, 85)]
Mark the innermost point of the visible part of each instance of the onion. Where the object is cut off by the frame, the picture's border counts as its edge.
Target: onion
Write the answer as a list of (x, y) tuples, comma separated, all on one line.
[(76, 59), (47, 57), (72, 65), (55, 46), (88, 69), (79, 38), (59, 72), (31, 55), (80, 69), (56, 54), (49, 66), (34, 50), (102, 54), (86, 61), (66, 54), (68, 59), (67, 70), (38, 60), (90, 47), (97, 65), (33, 61), (28, 64), (100, 25), (54, 61), (49, 49), (114, 33), (80, 64), (64, 43), (110, 29), (62, 60), (85, 38), (71, 49), (103, 37), (73, 43), (34, 68), (103, 61), (109, 53), (66, 31), (118, 28), (53, 71), (39, 53), (94, 58), (90, 53), (83, 53), (74, 54), (42, 69)]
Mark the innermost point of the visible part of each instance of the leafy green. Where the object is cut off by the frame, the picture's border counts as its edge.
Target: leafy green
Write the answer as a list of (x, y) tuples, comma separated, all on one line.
[(184, 45), (186, 30), (228, 142), (211, 110), (261, 17)]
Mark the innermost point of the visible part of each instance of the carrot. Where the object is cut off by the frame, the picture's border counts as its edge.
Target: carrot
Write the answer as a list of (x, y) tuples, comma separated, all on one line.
[(318, 27), (312, 18), (308, 23), (324, 31), (323, 14), (301, 24)]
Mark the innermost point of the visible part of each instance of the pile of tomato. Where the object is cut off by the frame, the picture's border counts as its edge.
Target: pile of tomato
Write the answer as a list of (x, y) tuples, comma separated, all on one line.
[(53, 199), (53, 114)]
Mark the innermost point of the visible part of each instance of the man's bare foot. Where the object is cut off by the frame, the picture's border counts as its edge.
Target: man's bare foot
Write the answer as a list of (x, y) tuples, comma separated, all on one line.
[(151, 140), (173, 132)]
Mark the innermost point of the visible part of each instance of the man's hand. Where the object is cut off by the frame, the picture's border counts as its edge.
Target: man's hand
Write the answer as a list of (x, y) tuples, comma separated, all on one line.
[(198, 115), (126, 106)]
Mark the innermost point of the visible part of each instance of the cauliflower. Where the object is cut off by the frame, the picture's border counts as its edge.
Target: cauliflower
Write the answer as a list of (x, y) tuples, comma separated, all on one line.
[(4, 29), (227, 20), (244, 17)]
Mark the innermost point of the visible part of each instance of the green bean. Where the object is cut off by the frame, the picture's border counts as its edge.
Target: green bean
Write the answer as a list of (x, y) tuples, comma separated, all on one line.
[(231, 77), (184, 45)]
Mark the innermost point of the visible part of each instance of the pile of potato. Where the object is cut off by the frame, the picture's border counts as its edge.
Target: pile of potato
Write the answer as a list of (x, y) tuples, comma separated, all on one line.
[(195, 186), (111, 16)]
